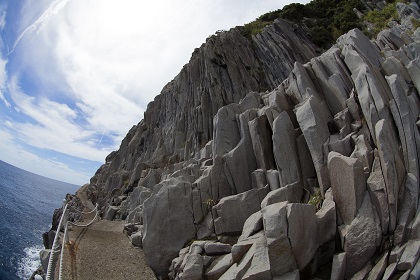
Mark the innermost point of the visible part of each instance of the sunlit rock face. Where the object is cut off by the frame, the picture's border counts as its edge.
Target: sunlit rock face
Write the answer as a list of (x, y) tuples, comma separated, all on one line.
[(298, 160)]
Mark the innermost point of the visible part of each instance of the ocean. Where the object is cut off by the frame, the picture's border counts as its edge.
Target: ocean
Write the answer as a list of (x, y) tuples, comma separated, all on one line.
[(27, 203)]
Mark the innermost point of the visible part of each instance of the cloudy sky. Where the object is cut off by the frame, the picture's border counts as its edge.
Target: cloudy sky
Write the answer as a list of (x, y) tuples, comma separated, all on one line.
[(76, 75)]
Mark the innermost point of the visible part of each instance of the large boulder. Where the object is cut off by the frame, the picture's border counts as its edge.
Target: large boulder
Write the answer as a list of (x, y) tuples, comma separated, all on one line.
[(260, 132), (326, 219), (348, 184), (302, 225), (285, 149), (281, 257), (313, 123), (232, 211), (362, 237), (392, 166), (168, 224)]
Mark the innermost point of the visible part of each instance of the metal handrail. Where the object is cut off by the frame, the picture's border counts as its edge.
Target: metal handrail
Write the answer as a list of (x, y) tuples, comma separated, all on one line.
[(64, 220), (54, 245), (66, 236)]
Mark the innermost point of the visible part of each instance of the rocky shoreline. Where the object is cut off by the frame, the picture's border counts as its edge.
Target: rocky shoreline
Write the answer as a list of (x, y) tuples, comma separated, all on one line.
[(318, 178)]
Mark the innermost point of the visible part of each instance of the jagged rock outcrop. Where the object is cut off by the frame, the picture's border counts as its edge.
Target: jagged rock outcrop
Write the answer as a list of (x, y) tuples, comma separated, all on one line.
[(319, 174), (359, 150)]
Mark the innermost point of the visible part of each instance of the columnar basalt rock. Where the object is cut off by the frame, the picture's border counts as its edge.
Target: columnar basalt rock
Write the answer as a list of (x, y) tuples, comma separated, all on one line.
[(321, 170)]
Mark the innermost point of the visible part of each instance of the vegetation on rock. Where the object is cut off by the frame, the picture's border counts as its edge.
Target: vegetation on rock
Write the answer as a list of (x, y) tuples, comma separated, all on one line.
[(325, 19), (380, 18)]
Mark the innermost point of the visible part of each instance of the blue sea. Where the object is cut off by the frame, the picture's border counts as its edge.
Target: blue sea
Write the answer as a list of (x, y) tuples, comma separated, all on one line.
[(27, 203)]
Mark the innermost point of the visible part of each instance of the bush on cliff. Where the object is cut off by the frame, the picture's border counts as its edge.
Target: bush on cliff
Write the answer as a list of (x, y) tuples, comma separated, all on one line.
[(380, 18), (325, 19)]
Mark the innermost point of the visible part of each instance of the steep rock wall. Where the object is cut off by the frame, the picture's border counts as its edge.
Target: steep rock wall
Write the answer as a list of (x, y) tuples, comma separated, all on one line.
[(179, 122), (341, 133)]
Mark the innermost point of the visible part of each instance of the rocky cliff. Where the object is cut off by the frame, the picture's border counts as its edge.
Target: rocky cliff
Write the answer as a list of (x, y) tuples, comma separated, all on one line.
[(265, 159)]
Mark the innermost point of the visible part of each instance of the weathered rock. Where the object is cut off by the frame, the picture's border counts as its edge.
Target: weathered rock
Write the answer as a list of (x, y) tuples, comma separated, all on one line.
[(218, 267), (314, 127), (168, 224), (340, 145), (110, 213), (285, 150), (302, 226), (410, 255), (294, 275), (291, 193), (405, 123), (252, 225), (260, 264), (239, 267), (44, 256), (280, 252), (363, 236), (193, 269), (379, 269), (260, 131), (273, 179), (377, 191), (415, 228), (226, 130), (348, 184), (136, 239), (392, 167), (363, 152), (217, 248), (259, 179), (338, 270), (407, 209), (364, 272), (206, 228), (389, 271), (305, 160), (326, 219), (240, 161), (415, 272), (231, 212)]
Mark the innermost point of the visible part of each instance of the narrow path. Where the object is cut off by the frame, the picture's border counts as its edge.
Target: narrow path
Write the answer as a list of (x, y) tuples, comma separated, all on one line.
[(102, 251)]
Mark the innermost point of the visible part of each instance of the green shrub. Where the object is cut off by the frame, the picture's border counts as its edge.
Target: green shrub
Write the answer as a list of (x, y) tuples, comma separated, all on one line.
[(415, 23), (316, 199), (380, 18)]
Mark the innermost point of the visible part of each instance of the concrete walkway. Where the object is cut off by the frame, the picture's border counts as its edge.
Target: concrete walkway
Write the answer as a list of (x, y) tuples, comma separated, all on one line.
[(103, 251)]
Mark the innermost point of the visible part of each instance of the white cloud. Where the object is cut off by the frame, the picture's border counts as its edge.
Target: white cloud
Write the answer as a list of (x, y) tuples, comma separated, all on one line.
[(95, 64), (3, 81), (13, 153), (53, 127), (42, 21)]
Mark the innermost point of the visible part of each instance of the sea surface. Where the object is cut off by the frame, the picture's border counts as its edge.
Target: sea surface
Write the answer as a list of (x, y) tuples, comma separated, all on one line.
[(27, 203)]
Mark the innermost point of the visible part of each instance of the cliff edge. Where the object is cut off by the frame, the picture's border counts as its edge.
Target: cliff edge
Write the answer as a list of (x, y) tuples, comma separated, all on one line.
[(264, 159)]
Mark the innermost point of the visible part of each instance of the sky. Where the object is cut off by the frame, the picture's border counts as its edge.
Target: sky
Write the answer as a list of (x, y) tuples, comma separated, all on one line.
[(76, 75)]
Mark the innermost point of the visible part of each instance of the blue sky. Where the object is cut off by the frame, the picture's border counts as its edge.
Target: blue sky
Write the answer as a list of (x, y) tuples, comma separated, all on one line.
[(76, 75)]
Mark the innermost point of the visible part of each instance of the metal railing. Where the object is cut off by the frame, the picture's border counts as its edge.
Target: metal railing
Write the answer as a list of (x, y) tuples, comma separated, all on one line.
[(65, 239)]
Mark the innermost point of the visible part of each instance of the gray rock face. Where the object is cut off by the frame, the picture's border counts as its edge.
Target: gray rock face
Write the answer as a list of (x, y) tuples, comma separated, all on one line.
[(302, 226), (338, 270), (291, 193), (285, 149), (362, 237), (260, 131), (280, 252), (392, 167), (378, 197), (219, 156), (314, 127), (167, 229), (326, 219), (348, 184), (231, 212), (219, 266)]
